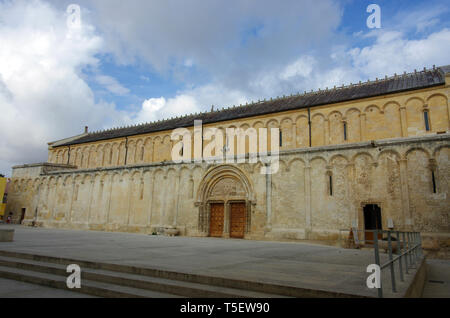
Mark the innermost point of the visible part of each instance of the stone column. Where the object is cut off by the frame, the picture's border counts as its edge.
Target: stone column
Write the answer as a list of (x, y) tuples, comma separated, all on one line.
[(353, 214), (294, 136), (406, 211), (268, 197), (91, 194), (130, 188), (327, 131), (71, 199), (177, 192), (150, 200), (111, 180), (403, 122), (362, 121), (207, 218), (226, 220), (308, 200)]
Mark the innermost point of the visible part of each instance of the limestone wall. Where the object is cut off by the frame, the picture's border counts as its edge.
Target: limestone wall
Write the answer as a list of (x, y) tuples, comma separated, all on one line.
[(389, 116), (396, 174)]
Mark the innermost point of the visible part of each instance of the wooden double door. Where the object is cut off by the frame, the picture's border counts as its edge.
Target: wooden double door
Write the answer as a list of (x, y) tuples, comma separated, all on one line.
[(237, 219)]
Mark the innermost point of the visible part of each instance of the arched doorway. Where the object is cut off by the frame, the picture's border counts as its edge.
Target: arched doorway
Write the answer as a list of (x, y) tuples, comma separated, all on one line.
[(224, 199)]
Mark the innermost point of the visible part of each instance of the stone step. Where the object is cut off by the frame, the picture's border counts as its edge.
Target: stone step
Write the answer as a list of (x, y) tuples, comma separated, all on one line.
[(180, 288), (89, 287), (239, 284)]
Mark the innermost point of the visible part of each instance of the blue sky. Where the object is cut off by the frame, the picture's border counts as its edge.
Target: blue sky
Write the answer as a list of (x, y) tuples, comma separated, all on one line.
[(144, 82), (138, 61)]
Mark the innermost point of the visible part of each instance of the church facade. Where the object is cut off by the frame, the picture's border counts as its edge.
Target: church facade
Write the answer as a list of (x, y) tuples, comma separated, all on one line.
[(366, 155)]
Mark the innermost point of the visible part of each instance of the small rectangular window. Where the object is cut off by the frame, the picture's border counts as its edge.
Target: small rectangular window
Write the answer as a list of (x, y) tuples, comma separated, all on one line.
[(427, 120)]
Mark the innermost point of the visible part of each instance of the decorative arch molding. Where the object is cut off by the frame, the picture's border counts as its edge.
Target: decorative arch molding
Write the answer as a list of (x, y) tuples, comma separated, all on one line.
[(437, 95), (215, 174), (363, 153), (389, 151), (350, 110), (420, 149), (438, 149), (367, 109), (335, 112), (225, 185), (414, 98)]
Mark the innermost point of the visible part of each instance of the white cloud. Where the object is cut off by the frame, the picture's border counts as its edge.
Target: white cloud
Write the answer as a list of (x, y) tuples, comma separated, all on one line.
[(43, 96), (188, 102), (301, 67), (393, 52), (112, 85)]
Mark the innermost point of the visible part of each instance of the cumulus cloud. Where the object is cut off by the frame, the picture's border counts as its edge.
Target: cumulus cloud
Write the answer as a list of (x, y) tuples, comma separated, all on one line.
[(43, 95), (393, 52), (224, 53)]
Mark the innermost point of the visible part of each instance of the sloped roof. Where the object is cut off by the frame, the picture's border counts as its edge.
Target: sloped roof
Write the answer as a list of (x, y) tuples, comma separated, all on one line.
[(395, 84)]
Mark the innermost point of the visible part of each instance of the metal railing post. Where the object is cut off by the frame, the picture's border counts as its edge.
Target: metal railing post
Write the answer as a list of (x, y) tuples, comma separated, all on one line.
[(420, 245), (413, 258), (406, 249), (399, 252), (417, 246), (391, 265), (377, 261)]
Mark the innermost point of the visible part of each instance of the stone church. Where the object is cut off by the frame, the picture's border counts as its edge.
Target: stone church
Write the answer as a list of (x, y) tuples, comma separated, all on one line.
[(366, 155)]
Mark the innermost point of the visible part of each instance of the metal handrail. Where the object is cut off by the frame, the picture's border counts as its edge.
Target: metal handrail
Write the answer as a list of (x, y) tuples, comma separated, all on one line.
[(409, 250)]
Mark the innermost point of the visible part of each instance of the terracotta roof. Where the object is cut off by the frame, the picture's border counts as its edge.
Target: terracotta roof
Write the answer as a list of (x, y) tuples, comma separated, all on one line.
[(395, 84)]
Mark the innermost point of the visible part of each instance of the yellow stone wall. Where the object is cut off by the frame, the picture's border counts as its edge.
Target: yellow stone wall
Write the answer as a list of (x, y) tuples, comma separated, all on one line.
[(395, 174), (390, 116), (295, 203)]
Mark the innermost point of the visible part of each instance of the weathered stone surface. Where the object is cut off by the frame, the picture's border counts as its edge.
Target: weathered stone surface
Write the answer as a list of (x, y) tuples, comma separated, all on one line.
[(6, 235), (388, 159)]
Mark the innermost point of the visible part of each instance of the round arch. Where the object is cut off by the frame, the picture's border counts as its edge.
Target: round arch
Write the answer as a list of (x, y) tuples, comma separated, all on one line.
[(223, 189)]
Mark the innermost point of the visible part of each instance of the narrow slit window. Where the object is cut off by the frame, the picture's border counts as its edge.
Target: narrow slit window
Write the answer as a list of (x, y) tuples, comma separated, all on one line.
[(433, 179), (182, 150), (427, 120), (330, 180), (281, 139), (345, 131)]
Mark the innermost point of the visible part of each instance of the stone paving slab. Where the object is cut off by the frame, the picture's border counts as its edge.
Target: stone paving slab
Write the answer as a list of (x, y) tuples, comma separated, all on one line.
[(14, 289), (438, 279), (288, 263)]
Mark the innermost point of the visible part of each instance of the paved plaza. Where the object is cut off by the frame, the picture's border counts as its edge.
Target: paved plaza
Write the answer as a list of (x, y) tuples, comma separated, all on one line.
[(286, 263)]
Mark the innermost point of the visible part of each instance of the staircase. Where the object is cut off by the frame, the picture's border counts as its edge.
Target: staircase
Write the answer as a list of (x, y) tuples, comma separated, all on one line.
[(113, 280)]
